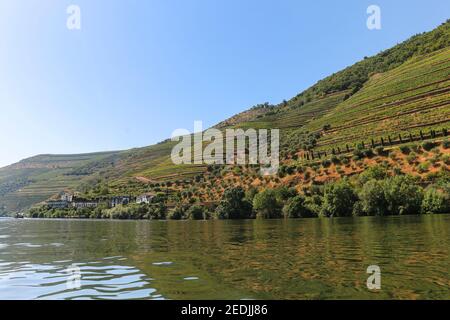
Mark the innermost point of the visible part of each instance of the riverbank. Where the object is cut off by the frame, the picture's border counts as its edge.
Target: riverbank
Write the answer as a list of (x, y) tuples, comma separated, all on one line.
[(373, 193)]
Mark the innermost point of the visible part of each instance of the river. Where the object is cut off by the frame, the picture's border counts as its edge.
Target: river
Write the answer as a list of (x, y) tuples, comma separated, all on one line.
[(255, 259)]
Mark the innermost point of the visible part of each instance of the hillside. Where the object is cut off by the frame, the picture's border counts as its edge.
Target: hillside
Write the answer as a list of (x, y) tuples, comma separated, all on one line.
[(394, 95)]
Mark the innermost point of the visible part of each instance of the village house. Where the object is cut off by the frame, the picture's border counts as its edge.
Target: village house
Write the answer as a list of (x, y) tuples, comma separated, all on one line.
[(145, 198), (67, 197), (120, 200), (57, 204), (83, 203)]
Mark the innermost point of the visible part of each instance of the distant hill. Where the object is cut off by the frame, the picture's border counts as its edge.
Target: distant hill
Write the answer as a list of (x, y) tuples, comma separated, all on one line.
[(400, 91)]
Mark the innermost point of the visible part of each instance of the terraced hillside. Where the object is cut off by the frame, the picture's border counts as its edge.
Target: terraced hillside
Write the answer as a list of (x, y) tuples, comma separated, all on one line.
[(398, 92), (35, 179), (410, 98)]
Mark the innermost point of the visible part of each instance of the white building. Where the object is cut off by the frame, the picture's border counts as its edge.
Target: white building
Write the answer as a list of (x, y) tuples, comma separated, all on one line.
[(145, 198), (67, 197)]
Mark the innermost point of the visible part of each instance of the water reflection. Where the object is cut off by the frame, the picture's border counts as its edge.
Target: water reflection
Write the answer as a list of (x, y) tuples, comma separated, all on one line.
[(304, 259)]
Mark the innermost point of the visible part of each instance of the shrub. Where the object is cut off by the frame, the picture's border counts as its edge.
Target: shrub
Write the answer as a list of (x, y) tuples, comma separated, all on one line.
[(446, 159), (428, 145), (358, 154), (301, 169), (266, 204), (234, 204), (196, 212), (415, 147), (403, 195), (156, 212), (326, 163), (411, 158), (376, 172), (314, 204), (380, 151), (358, 210), (436, 151), (335, 159), (423, 167), (284, 193), (296, 208), (373, 199), (339, 198), (446, 143), (368, 153), (176, 214), (435, 201), (405, 149)]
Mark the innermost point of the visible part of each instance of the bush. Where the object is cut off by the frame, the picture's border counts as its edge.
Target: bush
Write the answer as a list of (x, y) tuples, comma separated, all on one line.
[(405, 149), (335, 159), (358, 210), (339, 198), (428, 145), (296, 208), (176, 214), (345, 161), (357, 154), (266, 204), (234, 205), (423, 167), (284, 193), (446, 159), (380, 151), (368, 153), (376, 172), (435, 201), (373, 199), (446, 143), (403, 195), (326, 163), (411, 158), (415, 147), (196, 212)]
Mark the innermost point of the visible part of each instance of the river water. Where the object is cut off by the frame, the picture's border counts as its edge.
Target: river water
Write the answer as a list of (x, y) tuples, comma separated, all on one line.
[(280, 259)]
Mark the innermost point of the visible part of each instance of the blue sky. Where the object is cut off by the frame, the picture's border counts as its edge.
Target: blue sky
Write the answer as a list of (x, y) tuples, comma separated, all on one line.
[(137, 70)]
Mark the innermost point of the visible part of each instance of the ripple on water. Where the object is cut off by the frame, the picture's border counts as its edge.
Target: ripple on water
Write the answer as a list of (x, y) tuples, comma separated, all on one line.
[(164, 263), (50, 281)]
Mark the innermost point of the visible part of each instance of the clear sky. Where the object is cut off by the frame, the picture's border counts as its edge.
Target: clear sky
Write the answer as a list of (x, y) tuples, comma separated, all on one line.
[(137, 70)]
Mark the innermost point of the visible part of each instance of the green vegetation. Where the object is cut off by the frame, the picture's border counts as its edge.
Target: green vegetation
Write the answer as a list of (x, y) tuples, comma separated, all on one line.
[(296, 208), (339, 198), (266, 205), (234, 205), (341, 127)]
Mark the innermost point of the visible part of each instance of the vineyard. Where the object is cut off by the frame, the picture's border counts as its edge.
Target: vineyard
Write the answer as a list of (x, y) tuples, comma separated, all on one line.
[(348, 122)]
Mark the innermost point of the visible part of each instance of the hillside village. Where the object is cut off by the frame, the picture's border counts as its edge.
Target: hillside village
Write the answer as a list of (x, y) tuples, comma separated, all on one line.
[(69, 200)]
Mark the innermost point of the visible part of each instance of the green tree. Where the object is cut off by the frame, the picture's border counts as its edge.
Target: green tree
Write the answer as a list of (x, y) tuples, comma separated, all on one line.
[(234, 205), (296, 208), (376, 172), (196, 212), (339, 198), (435, 201), (403, 195), (373, 199), (176, 214), (266, 204)]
